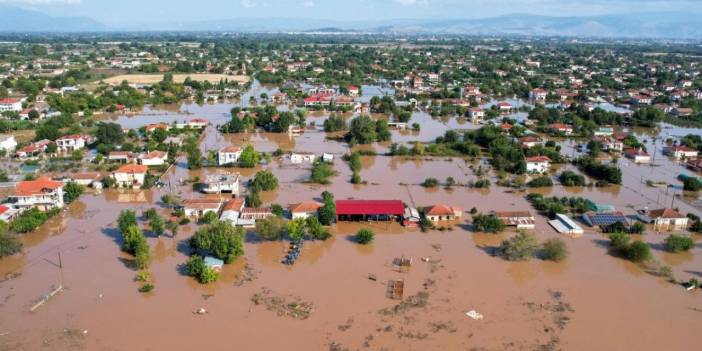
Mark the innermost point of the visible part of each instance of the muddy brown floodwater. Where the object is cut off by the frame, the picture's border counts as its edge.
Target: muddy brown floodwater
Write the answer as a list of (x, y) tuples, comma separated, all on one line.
[(590, 301)]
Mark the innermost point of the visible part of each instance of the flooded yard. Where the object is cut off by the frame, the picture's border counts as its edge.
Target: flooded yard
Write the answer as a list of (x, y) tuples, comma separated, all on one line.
[(590, 301)]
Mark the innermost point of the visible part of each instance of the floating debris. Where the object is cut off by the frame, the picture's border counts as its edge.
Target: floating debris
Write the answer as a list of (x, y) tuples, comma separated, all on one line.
[(289, 306), (475, 315)]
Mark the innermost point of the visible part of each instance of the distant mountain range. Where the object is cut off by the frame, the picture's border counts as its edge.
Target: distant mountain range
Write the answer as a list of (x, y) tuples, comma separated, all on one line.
[(16, 19), (670, 25)]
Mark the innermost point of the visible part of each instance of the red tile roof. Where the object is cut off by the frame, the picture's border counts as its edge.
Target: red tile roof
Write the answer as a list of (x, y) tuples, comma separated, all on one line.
[(439, 210), (370, 207), (665, 213), (538, 159), (304, 207), (132, 168), (35, 187), (9, 101)]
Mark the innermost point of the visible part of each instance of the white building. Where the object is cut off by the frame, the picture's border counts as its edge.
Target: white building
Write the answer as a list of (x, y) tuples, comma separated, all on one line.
[(228, 155), (668, 219), (200, 207), (8, 143), (638, 155), (10, 105), (680, 152), (130, 175), (232, 210), (222, 183), (538, 164), (153, 158), (43, 194), (304, 209), (73, 142)]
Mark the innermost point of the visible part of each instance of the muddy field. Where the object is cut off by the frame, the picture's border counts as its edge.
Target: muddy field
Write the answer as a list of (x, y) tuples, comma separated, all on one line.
[(326, 301), (178, 78)]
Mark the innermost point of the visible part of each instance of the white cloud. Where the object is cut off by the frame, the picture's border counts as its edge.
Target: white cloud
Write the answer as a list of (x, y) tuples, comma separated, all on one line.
[(248, 3), (41, 2), (308, 4)]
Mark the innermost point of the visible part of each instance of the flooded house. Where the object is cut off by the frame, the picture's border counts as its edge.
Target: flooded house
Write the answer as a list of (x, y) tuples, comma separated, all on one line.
[(380, 210), (664, 219), (504, 107), (530, 141), (43, 194), (228, 155), (637, 155), (73, 142), (33, 150), (254, 214), (8, 213), (130, 176), (200, 207), (476, 114), (222, 183), (232, 211), (562, 128), (153, 158), (304, 209), (120, 156), (538, 164), (518, 219), (86, 178), (680, 152), (441, 212)]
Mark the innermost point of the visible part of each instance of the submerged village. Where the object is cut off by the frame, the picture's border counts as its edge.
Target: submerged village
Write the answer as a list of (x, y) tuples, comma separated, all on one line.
[(349, 192)]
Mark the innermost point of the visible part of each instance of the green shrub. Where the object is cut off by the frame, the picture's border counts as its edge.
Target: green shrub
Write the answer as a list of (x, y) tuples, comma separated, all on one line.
[(555, 249), (678, 243), (364, 236), (430, 183), (9, 245), (570, 178), (265, 181), (539, 182), (147, 288), (521, 247), (29, 220), (195, 267)]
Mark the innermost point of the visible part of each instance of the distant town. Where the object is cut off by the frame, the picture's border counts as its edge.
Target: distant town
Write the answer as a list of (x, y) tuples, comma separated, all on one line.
[(354, 191)]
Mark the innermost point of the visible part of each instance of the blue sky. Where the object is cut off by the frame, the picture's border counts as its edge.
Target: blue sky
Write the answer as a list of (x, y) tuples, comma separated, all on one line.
[(135, 11)]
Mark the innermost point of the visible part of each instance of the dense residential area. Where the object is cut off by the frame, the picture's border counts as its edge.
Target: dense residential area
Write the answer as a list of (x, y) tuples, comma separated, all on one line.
[(357, 191)]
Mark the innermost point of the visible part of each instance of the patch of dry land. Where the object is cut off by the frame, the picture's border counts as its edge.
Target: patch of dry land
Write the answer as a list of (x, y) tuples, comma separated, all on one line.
[(178, 78)]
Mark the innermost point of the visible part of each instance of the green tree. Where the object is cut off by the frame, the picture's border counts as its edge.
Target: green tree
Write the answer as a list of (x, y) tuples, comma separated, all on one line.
[(296, 229), (72, 192), (249, 157), (220, 239), (362, 130), (265, 181), (270, 228), (109, 133), (327, 213), (487, 224), (157, 225), (126, 219), (315, 229)]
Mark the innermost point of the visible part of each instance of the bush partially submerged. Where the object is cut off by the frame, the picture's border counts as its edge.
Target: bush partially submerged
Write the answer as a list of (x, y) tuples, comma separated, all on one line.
[(364, 236), (554, 249), (521, 247), (678, 243), (637, 251)]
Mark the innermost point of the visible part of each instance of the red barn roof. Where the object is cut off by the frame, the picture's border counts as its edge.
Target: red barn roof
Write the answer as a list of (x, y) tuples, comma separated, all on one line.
[(370, 207)]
